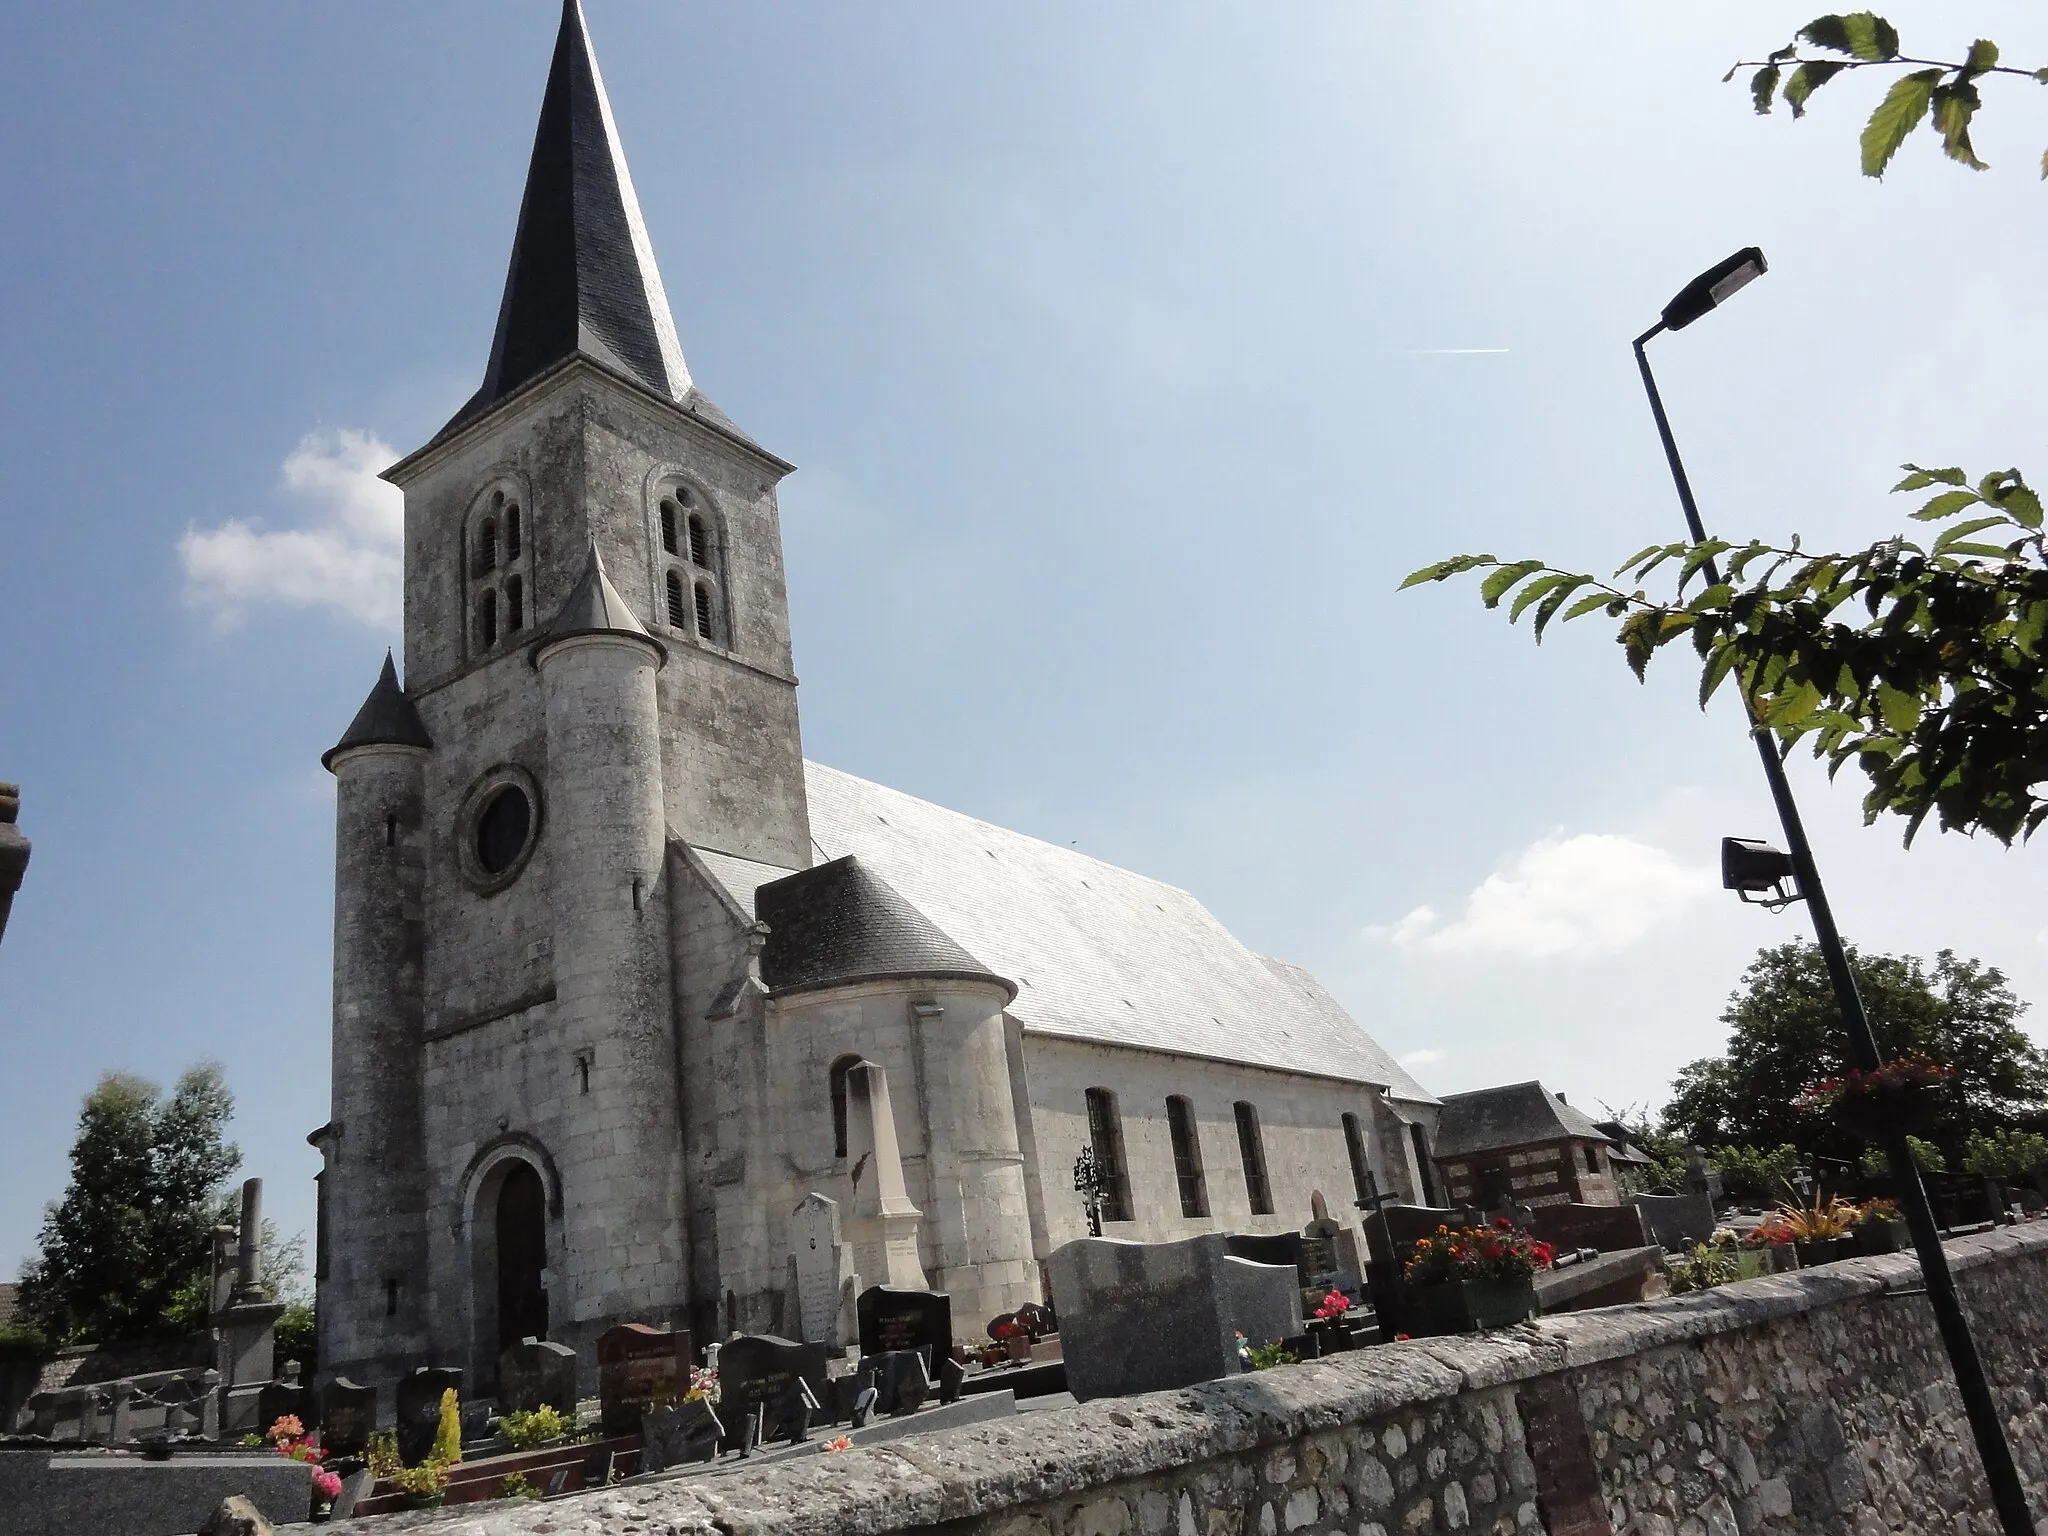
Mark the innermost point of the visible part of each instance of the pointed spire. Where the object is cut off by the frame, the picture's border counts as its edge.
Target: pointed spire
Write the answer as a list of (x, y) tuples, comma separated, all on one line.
[(594, 607), (582, 278), (387, 719)]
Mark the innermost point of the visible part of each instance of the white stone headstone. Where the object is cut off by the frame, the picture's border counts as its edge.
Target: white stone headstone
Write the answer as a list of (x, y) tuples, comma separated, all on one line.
[(822, 1261)]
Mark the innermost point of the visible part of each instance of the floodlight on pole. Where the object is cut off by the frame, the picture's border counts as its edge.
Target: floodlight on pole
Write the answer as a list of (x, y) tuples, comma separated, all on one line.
[(1745, 861)]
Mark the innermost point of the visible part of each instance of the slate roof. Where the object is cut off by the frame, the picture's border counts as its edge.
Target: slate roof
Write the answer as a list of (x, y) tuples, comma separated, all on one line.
[(582, 279), (840, 922), (387, 718), (1516, 1115), (1098, 953), (594, 607)]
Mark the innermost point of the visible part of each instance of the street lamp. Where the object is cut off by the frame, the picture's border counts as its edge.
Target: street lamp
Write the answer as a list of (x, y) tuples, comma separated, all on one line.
[(1744, 867)]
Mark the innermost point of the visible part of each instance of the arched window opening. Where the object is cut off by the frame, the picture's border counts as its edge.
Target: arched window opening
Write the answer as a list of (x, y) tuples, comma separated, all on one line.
[(668, 527), (836, 1082), (1251, 1146), (704, 626), (1361, 1170), (1106, 1141), (487, 620), (1187, 1156), (677, 610), (515, 605), (486, 547), (512, 535), (700, 543)]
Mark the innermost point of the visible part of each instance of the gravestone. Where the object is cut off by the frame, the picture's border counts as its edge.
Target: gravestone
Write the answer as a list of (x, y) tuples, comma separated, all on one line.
[(1039, 1320), (279, 1398), (1144, 1317), (902, 1380), (902, 1319), (356, 1485), (637, 1366), (419, 1409), (1329, 1257), (856, 1397), (824, 1271), (882, 1224), (536, 1373), (758, 1374), (348, 1413), (677, 1435)]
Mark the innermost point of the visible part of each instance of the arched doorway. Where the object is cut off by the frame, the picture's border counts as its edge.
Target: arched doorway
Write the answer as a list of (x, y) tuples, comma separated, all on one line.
[(522, 1232)]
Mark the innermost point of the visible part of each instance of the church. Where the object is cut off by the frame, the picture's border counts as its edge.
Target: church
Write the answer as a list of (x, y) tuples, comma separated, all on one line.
[(607, 948)]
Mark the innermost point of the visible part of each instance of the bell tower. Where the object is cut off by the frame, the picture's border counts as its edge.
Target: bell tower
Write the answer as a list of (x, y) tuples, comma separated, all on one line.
[(597, 663)]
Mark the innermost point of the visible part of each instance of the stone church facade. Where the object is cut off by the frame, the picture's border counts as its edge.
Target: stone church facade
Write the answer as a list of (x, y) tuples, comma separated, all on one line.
[(606, 945)]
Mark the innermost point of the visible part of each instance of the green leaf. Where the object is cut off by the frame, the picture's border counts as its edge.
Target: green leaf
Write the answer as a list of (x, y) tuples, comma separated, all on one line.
[(1698, 556), (1718, 668), (1763, 85), (1496, 586), (1716, 596), (1953, 536), (1541, 585), (1638, 558), (1979, 551), (1554, 602), (2022, 506), (1808, 78), (1947, 504), (1904, 105), (1901, 710), (1871, 37), (1983, 55), (1920, 478), (1828, 32), (1954, 106), (1457, 565), (1586, 605)]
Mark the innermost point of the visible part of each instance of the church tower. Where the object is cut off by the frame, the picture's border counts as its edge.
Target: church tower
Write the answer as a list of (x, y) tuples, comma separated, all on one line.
[(597, 662)]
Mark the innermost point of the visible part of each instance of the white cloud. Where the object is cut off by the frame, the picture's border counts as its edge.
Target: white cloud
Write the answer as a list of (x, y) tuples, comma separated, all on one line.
[(348, 555), (1426, 1057), (1562, 896)]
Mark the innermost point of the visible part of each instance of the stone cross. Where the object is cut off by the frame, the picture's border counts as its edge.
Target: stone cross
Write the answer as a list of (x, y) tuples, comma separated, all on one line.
[(883, 1225)]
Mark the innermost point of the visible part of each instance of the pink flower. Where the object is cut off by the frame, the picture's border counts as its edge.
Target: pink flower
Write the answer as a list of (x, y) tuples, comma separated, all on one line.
[(327, 1485)]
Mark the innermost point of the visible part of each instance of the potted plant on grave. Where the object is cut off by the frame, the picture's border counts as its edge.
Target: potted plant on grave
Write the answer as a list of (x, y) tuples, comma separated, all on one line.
[(1328, 1324), (1464, 1279), (1902, 1095), (1820, 1231), (1015, 1338), (1879, 1227), (423, 1486), (1771, 1240)]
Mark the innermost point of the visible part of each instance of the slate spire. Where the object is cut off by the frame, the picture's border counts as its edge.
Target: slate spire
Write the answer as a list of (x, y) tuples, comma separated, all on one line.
[(387, 719), (582, 277)]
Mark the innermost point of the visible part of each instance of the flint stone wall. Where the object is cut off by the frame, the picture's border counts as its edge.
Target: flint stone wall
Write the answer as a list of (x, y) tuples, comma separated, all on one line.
[(1816, 1402)]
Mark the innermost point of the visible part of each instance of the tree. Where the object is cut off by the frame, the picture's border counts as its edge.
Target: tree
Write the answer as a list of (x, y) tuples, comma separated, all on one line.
[(134, 1226), (1937, 691), (1786, 1033)]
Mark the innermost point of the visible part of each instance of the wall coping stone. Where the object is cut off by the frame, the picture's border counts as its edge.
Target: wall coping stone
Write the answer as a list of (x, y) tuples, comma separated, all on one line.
[(1053, 1453)]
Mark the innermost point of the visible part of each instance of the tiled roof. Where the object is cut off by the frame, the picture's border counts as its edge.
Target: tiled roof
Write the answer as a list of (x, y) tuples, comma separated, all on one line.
[(1515, 1115), (1098, 953), (840, 922)]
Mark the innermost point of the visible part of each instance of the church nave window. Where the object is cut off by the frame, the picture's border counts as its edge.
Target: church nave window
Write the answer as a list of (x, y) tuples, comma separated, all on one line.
[(1106, 1141), (835, 1082), (1251, 1146), (1187, 1156)]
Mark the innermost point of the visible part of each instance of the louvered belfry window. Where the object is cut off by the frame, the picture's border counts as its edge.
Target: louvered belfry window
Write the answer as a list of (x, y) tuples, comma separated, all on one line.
[(676, 607), (1106, 1141), (694, 577), (499, 562)]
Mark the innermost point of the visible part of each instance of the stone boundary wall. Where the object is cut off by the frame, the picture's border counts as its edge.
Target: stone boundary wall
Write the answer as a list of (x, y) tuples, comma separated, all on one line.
[(1815, 1402), (85, 1364)]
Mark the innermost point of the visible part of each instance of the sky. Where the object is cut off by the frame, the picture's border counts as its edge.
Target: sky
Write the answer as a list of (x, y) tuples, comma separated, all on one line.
[(1130, 357)]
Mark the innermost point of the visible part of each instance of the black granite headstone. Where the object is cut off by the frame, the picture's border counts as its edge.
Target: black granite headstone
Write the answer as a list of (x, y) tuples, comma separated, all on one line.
[(279, 1398), (952, 1379), (893, 1319), (902, 1380), (854, 1398), (758, 1372), (1278, 1248), (535, 1373), (419, 1409), (347, 1415), (678, 1435)]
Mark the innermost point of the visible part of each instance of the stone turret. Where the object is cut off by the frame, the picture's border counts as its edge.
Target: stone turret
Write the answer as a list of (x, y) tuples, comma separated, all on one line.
[(608, 837), (372, 1187)]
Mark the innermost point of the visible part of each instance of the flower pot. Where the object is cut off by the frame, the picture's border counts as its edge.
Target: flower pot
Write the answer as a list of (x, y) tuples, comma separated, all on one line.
[(1874, 1237), (1468, 1306), (1018, 1348), (1780, 1258), (1331, 1334), (1823, 1250)]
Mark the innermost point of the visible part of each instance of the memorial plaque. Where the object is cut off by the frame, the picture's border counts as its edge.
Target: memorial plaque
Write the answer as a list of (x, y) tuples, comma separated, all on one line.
[(535, 1373), (348, 1413), (419, 1409), (758, 1374), (892, 1319), (636, 1367)]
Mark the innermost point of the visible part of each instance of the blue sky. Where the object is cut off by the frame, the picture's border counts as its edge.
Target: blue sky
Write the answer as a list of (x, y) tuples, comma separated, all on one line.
[(1123, 352)]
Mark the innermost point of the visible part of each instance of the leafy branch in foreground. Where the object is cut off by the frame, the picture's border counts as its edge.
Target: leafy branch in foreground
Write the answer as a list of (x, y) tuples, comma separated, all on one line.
[(1927, 666), (1946, 90)]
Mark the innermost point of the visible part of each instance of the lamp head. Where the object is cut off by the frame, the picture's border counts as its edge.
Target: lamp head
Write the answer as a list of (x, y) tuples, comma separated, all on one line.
[(1714, 286), (1757, 872)]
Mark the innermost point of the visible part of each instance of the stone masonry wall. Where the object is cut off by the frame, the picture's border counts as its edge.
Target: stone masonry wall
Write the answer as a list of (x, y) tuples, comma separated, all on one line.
[(1810, 1403)]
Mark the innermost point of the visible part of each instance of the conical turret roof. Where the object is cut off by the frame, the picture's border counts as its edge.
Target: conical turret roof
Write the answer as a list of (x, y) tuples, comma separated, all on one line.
[(594, 607), (582, 278), (387, 719), (841, 922)]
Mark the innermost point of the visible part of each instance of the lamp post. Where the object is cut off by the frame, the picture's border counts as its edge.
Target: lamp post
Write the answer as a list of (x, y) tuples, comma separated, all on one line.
[(1703, 294)]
